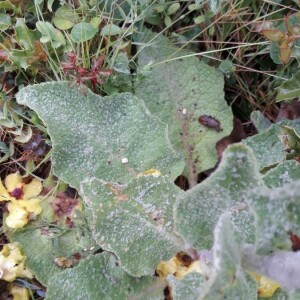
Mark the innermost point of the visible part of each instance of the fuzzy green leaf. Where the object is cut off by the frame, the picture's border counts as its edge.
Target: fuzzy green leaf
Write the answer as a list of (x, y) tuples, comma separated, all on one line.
[(228, 281), (290, 138), (179, 92), (187, 288), (277, 215), (270, 139), (198, 210), (94, 136), (260, 122), (282, 174), (134, 221), (100, 277)]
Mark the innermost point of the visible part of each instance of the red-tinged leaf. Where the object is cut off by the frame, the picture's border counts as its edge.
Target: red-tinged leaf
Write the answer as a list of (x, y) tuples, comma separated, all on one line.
[(284, 54), (273, 35), (287, 24), (284, 44), (98, 62), (39, 51)]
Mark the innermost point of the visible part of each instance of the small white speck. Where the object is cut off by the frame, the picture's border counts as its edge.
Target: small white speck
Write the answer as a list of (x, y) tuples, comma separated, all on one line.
[(124, 160), (184, 111)]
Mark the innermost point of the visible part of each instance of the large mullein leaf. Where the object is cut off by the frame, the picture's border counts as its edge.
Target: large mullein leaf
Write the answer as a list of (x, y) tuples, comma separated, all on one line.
[(100, 277), (228, 280), (135, 221), (95, 136), (179, 91), (277, 216), (198, 209)]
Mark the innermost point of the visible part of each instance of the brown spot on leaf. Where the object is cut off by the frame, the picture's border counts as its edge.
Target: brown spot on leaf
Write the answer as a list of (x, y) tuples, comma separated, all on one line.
[(63, 262), (122, 197), (69, 222), (157, 217), (117, 191), (77, 256)]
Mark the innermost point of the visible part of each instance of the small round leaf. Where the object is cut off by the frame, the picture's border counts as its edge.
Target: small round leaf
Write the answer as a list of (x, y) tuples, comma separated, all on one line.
[(110, 29), (65, 18), (82, 32)]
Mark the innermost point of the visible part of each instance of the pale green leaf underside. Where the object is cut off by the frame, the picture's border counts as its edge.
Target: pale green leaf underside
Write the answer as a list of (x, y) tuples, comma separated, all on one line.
[(260, 122), (277, 214), (282, 174), (91, 135), (100, 277), (133, 221), (187, 288), (179, 92), (198, 210), (268, 148), (228, 280)]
